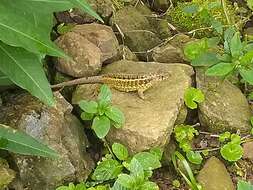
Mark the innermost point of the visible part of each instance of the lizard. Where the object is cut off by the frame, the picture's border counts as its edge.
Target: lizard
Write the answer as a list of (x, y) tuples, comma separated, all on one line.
[(122, 82)]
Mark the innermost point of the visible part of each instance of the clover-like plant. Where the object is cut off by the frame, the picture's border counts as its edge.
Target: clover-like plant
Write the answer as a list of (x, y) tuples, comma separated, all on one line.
[(232, 150), (184, 135), (102, 113), (193, 96)]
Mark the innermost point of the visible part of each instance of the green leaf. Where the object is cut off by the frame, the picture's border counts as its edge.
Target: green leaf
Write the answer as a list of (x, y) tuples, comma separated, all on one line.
[(21, 143), (126, 181), (236, 47), (247, 58), (194, 49), (25, 70), (106, 170), (120, 151), (250, 4), (191, 9), (22, 26), (250, 96), (115, 114), (194, 157), (149, 186), (217, 25), (148, 160), (101, 126), (157, 152), (205, 59), (136, 170), (193, 95), (220, 69), (104, 98), (251, 121), (4, 80), (243, 185), (235, 139), (228, 35), (89, 107), (231, 152), (247, 75), (87, 116), (86, 7), (224, 136)]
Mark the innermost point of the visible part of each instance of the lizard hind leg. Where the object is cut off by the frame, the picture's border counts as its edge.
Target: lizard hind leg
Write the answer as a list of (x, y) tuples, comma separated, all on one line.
[(141, 93)]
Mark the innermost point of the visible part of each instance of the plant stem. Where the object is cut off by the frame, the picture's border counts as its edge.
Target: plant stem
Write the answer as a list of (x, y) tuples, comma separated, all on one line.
[(108, 147), (223, 3)]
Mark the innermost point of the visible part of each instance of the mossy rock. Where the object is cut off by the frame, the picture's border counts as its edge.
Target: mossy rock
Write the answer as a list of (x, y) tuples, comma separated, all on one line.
[(187, 22)]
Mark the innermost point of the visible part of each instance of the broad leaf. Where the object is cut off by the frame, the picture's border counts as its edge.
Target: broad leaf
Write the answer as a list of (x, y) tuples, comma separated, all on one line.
[(19, 142), (101, 126), (250, 4), (22, 26), (88, 106), (194, 157), (148, 160), (205, 59), (243, 185), (193, 95), (4, 80), (126, 181), (115, 114), (25, 70), (236, 46), (247, 75), (149, 186), (120, 151), (136, 170), (106, 170), (220, 69)]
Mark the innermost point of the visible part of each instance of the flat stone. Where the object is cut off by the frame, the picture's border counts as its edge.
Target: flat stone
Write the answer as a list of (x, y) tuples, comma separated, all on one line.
[(149, 122)]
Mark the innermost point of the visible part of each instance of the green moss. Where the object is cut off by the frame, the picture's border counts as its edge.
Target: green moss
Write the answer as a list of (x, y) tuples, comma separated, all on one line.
[(200, 19)]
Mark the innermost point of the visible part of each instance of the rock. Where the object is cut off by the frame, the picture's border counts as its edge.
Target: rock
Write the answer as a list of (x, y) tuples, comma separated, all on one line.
[(103, 7), (225, 108), (161, 5), (214, 176), (102, 36), (139, 35), (149, 122), (247, 150), (86, 56), (168, 54), (6, 174), (55, 127), (180, 40), (125, 53)]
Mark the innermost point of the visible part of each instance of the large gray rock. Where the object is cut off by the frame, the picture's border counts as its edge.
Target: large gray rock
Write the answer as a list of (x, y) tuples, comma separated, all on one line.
[(55, 127), (138, 33), (6, 174), (214, 176), (225, 108), (149, 122), (86, 56)]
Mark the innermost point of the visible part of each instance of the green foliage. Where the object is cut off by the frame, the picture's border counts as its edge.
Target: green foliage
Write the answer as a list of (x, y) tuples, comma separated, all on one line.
[(193, 95), (190, 179), (231, 151), (201, 14), (25, 40), (21, 143), (102, 113), (82, 186), (243, 185), (184, 135), (236, 56), (128, 172)]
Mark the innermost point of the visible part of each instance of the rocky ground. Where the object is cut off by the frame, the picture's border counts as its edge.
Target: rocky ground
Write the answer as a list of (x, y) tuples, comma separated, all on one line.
[(132, 40)]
